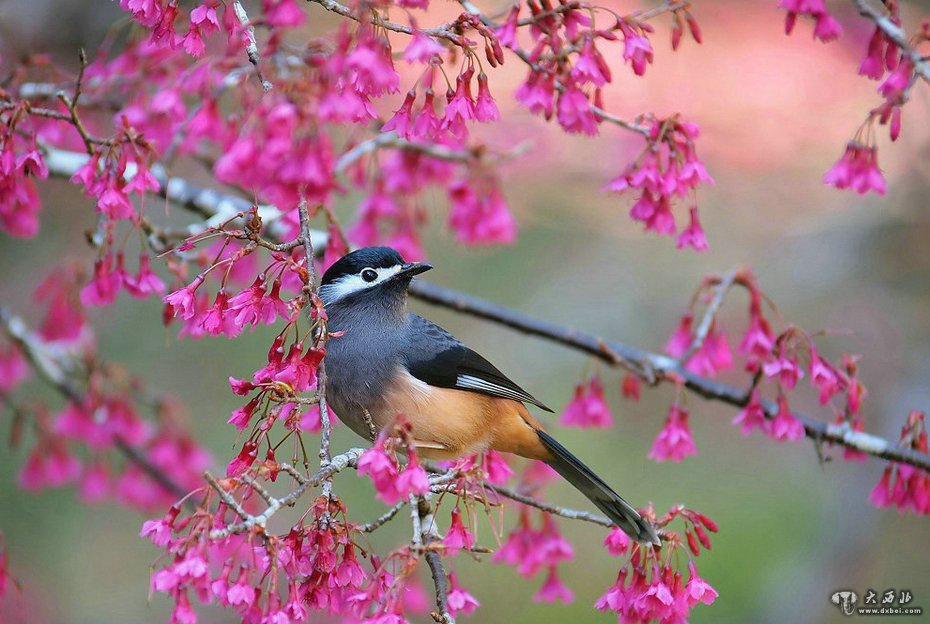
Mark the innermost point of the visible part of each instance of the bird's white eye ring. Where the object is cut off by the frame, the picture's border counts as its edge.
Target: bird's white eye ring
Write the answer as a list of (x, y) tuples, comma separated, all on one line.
[(369, 275)]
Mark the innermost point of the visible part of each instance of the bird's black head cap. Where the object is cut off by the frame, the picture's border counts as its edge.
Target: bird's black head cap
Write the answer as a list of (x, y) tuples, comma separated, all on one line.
[(350, 264)]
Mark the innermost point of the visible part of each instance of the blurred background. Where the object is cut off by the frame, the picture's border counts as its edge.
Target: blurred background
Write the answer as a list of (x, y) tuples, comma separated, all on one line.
[(775, 114)]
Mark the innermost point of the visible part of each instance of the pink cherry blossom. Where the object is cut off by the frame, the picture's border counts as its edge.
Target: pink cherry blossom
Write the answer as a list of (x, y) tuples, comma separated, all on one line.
[(382, 469), (51, 466), (507, 31), (693, 235), (636, 48), (145, 282), (674, 442), (553, 590), (14, 369), (458, 537), (159, 531), (752, 416), (824, 377), (698, 590), (588, 407), (574, 112), (785, 426), (422, 48), (480, 219), (485, 107), (617, 542), (458, 599), (857, 169), (538, 93), (785, 368), (104, 286)]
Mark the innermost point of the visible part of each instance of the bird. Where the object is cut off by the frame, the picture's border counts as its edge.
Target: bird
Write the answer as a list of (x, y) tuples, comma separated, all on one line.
[(382, 360)]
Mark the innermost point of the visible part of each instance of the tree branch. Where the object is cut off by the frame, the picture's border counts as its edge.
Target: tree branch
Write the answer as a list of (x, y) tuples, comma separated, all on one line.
[(423, 510), (636, 360), (651, 367)]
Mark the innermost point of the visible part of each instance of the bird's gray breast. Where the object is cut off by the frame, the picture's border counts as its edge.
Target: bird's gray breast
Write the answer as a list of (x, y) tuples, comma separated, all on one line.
[(360, 364)]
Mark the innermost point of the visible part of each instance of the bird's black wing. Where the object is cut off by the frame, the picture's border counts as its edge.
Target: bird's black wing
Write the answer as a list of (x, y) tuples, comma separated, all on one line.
[(438, 358)]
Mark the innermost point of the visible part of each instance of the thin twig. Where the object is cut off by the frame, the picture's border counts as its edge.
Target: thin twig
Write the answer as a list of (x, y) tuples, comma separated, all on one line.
[(429, 533), (258, 487), (416, 538), (383, 519), (441, 32), (896, 34), (252, 46), (720, 290), (564, 512), (441, 583), (226, 496)]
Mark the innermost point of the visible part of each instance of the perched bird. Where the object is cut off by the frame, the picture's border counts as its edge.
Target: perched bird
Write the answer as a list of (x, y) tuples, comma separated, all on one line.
[(388, 361)]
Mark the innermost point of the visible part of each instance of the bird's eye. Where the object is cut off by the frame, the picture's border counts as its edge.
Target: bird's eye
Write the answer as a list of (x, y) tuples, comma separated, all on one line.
[(369, 275)]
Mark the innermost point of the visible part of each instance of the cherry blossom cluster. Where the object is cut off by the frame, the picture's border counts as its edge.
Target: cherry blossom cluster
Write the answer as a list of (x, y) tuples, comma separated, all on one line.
[(219, 551), (80, 443), (228, 312), (588, 407), (650, 587), (567, 75), (903, 486), (20, 163), (779, 359), (264, 577), (666, 170), (889, 59)]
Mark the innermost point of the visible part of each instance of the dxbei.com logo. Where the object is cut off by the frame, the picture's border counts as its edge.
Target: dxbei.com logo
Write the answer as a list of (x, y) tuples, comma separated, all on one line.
[(889, 602), (845, 600)]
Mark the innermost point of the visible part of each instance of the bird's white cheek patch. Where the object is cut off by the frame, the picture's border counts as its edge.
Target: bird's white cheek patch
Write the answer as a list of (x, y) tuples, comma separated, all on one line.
[(349, 284)]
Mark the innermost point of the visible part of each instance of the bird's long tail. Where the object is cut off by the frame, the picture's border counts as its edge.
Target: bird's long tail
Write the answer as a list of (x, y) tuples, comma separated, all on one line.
[(604, 498)]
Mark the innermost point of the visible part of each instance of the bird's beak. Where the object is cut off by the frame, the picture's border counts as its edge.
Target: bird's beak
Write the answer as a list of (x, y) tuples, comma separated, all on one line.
[(414, 268)]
